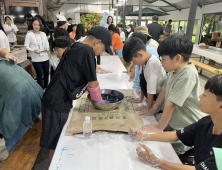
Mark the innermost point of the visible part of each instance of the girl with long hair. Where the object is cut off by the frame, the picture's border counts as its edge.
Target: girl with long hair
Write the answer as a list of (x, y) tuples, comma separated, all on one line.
[(80, 32), (61, 28)]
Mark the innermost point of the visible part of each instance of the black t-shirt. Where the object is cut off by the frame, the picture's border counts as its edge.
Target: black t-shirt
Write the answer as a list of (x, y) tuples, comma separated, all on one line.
[(69, 28), (194, 135), (155, 30), (55, 96), (63, 32)]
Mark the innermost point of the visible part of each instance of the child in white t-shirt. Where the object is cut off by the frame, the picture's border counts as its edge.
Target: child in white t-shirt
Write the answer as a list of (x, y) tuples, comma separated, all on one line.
[(153, 74)]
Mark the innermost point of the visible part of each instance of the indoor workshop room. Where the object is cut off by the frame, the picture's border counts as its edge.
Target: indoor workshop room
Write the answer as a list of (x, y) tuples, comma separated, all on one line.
[(110, 84)]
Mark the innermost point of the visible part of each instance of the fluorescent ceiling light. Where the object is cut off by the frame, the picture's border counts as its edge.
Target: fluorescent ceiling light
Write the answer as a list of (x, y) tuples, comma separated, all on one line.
[(118, 5)]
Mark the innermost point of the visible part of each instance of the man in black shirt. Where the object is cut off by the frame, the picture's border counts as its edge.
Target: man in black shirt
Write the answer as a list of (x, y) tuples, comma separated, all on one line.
[(78, 66), (69, 25), (203, 135), (155, 29)]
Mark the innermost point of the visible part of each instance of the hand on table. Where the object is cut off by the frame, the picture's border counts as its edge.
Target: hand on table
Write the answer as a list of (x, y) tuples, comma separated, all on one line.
[(147, 111), (148, 156), (136, 100), (140, 108), (14, 58), (102, 71), (139, 134), (154, 127)]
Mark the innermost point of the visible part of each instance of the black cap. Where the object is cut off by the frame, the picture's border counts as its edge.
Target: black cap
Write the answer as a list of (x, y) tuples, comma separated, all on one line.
[(104, 35), (141, 36)]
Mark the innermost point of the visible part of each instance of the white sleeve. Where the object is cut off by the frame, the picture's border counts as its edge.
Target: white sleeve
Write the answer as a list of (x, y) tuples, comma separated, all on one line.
[(5, 28), (15, 28), (46, 41), (28, 42), (151, 77), (2, 42)]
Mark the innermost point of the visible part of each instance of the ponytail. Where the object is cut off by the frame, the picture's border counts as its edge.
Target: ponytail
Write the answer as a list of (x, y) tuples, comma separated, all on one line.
[(56, 30)]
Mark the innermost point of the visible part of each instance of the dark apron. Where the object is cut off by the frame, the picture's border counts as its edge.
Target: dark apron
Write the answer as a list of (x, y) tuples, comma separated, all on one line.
[(143, 85)]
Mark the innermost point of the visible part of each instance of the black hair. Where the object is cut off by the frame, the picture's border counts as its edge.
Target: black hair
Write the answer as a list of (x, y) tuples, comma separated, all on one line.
[(132, 28), (62, 42), (80, 31), (155, 18), (43, 21), (113, 28), (108, 18), (176, 44), (7, 17), (1, 28), (214, 85), (56, 30), (148, 38), (131, 47), (29, 23), (28, 16), (75, 25), (120, 25), (170, 20), (180, 27), (69, 19)]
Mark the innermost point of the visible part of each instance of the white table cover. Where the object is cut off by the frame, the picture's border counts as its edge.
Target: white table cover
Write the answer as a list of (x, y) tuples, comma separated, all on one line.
[(107, 151)]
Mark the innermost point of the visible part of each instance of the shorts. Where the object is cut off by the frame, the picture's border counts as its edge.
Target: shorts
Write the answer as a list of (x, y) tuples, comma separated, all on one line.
[(119, 53), (52, 125)]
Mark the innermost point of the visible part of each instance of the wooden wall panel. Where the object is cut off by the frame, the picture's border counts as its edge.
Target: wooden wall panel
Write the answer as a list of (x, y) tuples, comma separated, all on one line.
[(24, 4)]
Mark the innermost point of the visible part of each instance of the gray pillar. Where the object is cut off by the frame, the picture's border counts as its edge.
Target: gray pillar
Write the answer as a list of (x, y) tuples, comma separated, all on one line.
[(140, 12), (124, 14), (117, 16), (191, 19)]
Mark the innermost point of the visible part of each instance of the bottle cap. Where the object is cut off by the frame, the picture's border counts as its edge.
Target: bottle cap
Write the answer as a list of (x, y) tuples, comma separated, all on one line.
[(87, 118)]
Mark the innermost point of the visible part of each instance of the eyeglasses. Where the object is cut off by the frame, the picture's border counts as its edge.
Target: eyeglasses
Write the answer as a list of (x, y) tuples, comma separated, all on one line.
[(56, 50)]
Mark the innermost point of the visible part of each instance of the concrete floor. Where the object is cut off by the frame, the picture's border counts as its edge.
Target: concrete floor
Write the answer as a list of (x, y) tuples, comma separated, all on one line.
[(42, 159)]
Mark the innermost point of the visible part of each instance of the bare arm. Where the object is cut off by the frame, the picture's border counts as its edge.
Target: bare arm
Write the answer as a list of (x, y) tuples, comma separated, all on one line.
[(150, 98), (8, 32), (172, 166), (141, 95), (5, 54), (160, 99), (161, 37), (162, 136), (93, 84)]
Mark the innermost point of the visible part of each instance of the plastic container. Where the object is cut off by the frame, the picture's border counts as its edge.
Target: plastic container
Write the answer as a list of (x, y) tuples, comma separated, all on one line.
[(87, 128)]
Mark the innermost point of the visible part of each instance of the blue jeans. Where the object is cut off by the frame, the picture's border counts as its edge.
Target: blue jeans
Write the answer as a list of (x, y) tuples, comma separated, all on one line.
[(136, 80), (20, 131), (119, 53), (39, 66)]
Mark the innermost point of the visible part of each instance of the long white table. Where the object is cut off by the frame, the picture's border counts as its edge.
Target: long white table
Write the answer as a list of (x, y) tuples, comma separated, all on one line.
[(212, 53), (107, 151)]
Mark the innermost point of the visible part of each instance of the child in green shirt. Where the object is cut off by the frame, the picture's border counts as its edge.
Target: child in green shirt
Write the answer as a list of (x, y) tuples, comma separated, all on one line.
[(181, 90)]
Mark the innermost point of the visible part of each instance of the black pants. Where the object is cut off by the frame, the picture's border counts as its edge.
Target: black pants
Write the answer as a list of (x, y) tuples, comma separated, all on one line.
[(52, 125), (143, 86), (39, 66)]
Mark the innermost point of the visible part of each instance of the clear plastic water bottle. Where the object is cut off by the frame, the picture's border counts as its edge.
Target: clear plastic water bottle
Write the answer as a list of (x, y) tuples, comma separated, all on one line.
[(87, 128)]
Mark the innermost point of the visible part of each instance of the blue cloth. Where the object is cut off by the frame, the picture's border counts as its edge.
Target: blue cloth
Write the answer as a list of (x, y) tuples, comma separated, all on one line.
[(20, 99), (20, 131), (119, 53), (136, 80)]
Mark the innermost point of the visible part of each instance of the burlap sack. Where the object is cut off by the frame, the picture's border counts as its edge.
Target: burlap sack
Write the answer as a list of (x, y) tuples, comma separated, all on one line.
[(119, 120)]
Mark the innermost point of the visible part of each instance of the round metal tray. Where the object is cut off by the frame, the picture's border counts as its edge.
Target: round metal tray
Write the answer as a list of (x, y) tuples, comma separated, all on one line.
[(113, 96)]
